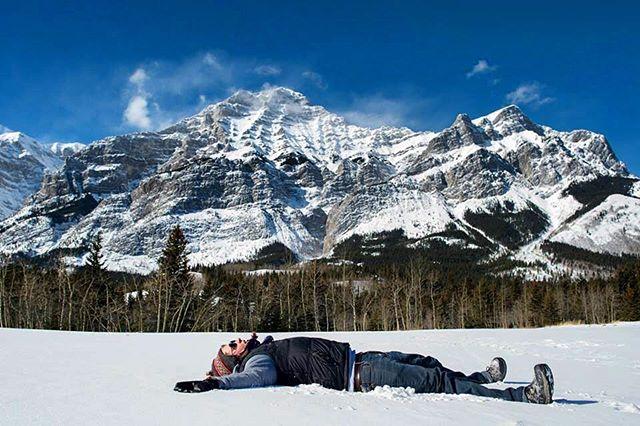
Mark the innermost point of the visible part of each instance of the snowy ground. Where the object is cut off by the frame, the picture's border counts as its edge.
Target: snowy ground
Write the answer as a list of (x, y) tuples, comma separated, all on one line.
[(90, 378)]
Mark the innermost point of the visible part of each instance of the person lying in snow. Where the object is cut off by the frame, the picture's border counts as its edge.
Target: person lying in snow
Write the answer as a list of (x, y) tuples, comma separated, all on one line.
[(334, 365)]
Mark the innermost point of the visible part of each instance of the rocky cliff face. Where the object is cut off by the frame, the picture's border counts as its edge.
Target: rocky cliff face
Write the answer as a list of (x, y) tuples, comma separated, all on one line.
[(269, 167), (23, 164)]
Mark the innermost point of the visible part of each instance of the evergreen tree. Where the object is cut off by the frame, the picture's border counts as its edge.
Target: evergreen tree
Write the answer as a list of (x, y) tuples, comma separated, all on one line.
[(535, 314), (173, 262), (174, 285), (628, 280), (630, 304), (549, 308), (95, 261), (96, 276)]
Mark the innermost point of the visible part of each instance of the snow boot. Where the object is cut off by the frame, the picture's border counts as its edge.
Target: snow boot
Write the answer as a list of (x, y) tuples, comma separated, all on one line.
[(540, 391), (497, 369)]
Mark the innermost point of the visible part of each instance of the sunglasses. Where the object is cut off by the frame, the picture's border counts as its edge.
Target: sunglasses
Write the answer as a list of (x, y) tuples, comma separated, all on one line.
[(233, 344)]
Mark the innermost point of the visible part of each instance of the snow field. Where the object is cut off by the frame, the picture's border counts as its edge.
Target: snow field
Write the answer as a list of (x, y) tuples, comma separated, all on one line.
[(52, 377)]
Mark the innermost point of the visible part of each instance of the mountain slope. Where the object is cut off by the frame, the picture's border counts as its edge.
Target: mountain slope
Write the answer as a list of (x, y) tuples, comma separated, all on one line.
[(269, 167), (23, 163)]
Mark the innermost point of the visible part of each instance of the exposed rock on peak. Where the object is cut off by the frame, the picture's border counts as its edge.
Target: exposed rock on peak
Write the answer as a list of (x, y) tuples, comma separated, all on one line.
[(461, 133), (462, 120), (507, 121)]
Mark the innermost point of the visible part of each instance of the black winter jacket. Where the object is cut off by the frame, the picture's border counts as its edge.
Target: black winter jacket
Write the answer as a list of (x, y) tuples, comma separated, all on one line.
[(306, 360)]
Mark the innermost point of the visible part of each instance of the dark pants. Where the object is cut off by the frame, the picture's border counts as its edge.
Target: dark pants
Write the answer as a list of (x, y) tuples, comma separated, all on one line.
[(426, 375)]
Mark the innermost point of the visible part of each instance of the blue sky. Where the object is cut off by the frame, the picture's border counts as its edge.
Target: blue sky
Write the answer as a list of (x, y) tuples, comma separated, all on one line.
[(85, 70)]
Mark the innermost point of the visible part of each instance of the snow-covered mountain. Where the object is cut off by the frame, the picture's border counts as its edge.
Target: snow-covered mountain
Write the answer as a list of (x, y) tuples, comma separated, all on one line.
[(23, 163), (269, 167)]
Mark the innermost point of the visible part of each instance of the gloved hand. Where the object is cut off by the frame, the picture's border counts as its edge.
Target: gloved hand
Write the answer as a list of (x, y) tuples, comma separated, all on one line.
[(197, 386)]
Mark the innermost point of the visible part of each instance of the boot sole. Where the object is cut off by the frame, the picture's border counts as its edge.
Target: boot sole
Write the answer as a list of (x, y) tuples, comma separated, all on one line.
[(545, 376), (503, 368)]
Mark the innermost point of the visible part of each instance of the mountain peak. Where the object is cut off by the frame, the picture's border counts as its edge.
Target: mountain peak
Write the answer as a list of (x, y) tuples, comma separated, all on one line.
[(508, 120), (502, 113), (272, 95), (245, 109), (4, 129), (462, 119), (16, 137)]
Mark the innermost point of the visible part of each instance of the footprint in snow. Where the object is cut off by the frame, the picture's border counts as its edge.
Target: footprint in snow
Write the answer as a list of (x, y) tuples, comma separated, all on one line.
[(625, 407)]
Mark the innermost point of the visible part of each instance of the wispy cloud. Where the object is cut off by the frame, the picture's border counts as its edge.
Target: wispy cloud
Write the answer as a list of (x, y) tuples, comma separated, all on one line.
[(196, 73), (316, 79), (267, 70), (211, 60), (159, 93), (175, 85), (382, 110), (481, 67), (529, 94), (138, 77)]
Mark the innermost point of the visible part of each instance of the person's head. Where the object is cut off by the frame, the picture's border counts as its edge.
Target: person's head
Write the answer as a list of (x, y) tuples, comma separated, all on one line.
[(230, 354), (236, 348)]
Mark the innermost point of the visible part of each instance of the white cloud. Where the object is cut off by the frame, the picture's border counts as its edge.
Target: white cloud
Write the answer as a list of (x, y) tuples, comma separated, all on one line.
[(137, 112), (173, 90), (211, 60), (316, 79), (194, 74), (267, 70), (482, 67), (528, 94), (170, 83), (138, 77), (378, 110), (186, 78)]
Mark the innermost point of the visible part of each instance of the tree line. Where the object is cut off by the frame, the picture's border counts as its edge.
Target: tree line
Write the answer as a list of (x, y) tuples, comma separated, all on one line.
[(316, 296)]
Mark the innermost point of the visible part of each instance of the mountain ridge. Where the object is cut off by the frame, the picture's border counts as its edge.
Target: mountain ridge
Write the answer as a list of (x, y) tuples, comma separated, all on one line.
[(269, 167)]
